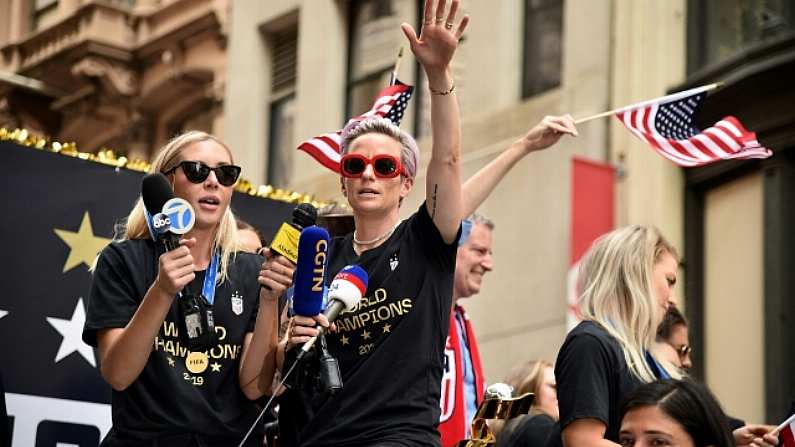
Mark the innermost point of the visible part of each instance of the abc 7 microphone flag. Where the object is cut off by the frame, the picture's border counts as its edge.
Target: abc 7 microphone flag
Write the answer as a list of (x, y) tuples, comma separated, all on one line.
[(177, 216)]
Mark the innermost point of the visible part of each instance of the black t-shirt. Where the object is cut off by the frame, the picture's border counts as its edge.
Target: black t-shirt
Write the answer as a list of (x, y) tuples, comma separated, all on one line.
[(178, 394), (390, 348), (526, 431), (592, 378)]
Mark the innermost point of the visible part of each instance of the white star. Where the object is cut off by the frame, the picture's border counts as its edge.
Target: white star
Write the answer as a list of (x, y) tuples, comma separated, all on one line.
[(3, 313), (71, 330)]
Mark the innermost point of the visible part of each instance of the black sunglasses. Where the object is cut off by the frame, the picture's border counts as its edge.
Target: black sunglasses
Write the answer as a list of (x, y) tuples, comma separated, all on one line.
[(197, 172)]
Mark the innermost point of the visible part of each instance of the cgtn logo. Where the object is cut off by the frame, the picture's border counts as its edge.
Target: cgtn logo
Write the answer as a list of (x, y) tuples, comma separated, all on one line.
[(180, 215)]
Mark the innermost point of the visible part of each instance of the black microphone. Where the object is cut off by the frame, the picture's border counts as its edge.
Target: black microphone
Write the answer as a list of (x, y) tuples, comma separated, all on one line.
[(155, 192), (169, 218), (285, 242)]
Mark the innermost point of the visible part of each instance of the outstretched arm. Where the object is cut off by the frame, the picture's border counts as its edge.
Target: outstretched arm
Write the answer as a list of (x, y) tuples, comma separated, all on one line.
[(259, 354), (434, 49), (545, 134)]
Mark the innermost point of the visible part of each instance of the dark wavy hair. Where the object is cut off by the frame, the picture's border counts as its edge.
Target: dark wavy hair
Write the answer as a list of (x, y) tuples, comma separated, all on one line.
[(673, 317), (691, 404)]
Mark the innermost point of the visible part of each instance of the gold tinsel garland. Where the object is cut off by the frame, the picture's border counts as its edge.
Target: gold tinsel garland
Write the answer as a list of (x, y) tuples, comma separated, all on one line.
[(108, 157)]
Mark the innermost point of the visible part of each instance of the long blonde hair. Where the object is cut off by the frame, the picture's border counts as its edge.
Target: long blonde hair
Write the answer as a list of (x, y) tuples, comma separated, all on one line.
[(134, 226), (616, 280), (528, 377), (525, 377)]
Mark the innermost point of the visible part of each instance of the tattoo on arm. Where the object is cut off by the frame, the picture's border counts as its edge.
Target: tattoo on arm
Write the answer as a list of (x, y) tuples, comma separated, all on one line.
[(433, 200)]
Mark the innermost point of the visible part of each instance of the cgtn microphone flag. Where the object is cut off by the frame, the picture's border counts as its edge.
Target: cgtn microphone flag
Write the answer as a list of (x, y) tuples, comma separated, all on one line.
[(390, 103), (668, 125)]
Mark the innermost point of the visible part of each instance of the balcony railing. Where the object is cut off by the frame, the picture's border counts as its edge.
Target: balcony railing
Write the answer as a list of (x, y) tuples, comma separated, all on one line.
[(118, 24)]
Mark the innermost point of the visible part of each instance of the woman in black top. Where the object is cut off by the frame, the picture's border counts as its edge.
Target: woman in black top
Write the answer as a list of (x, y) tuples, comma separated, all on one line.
[(163, 394), (391, 346), (626, 279)]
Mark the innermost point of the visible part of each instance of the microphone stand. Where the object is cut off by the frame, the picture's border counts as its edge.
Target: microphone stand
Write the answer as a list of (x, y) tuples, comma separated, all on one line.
[(331, 378), (270, 401)]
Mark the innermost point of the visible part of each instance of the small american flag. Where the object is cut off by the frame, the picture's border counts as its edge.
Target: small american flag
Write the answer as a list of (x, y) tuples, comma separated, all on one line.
[(390, 103), (667, 124), (786, 432)]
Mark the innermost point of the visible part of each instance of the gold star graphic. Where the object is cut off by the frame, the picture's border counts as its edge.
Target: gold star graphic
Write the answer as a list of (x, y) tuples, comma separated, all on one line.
[(170, 361), (387, 328), (344, 340), (215, 366), (83, 245), (366, 335)]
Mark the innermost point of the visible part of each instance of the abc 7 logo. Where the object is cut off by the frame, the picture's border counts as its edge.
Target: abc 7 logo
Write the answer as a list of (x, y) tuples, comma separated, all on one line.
[(180, 214)]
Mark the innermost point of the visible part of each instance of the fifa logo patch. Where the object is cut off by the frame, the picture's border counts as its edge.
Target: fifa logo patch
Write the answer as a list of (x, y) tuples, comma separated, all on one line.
[(237, 303), (393, 261)]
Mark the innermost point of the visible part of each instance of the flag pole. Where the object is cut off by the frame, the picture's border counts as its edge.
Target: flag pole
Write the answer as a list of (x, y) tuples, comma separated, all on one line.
[(667, 98), (783, 424), (393, 77)]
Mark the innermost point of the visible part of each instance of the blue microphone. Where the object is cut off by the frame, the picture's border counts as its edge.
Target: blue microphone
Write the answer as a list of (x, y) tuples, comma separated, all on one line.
[(310, 271)]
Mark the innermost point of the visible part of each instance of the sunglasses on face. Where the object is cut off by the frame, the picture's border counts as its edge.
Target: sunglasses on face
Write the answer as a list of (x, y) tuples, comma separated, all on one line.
[(197, 172), (684, 350), (384, 165)]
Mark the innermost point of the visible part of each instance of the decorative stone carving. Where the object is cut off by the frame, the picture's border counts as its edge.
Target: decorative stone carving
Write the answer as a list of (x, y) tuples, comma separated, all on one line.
[(115, 77)]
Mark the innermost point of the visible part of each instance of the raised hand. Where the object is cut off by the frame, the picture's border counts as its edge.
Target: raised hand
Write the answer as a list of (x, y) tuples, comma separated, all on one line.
[(439, 37), (548, 132), (755, 436)]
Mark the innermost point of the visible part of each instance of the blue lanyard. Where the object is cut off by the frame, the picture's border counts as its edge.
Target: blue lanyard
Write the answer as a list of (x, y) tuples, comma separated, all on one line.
[(208, 289), (656, 367)]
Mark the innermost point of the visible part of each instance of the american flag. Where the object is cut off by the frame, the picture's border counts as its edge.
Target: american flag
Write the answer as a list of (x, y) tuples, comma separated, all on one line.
[(667, 124), (787, 432), (390, 103)]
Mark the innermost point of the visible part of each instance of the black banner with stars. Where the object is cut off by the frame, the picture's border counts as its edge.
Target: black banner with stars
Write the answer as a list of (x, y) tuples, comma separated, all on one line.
[(60, 212)]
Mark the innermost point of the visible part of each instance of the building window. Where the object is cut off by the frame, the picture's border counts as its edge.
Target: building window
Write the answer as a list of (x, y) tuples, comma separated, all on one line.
[(543, 34), (719, 29), (284, 45), (44, 4), (280, 141), (372, 50)]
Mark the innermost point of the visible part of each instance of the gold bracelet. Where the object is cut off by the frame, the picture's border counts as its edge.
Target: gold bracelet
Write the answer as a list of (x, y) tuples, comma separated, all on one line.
[(442, 93)]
